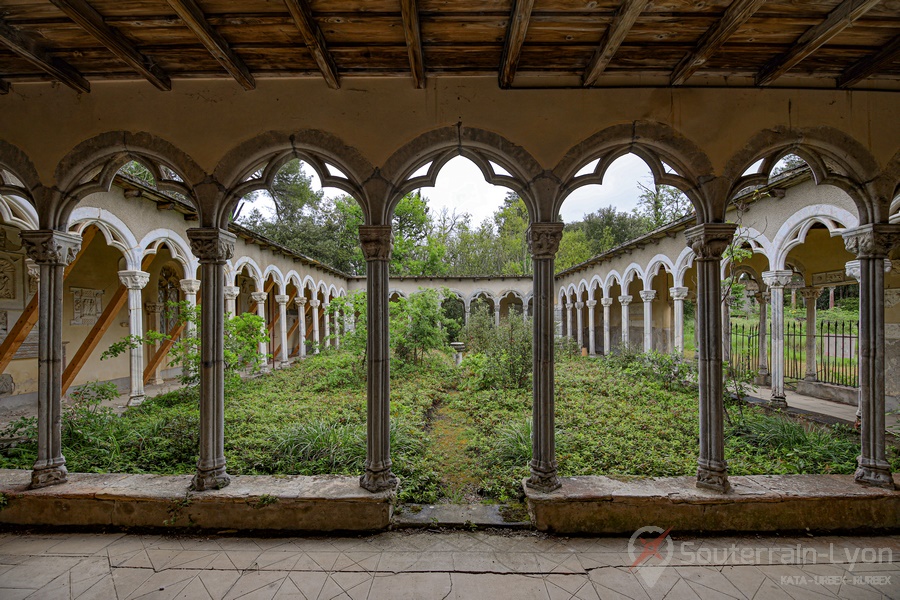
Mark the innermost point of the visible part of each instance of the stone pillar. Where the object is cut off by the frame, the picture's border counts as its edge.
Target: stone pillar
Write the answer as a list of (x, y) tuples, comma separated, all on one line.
[(301, 315), (190, 287), (810, 295), (763, 298), (377, 244), (135, 281), (607, 303), (327, 318), (579, 322), (592, 342), (213, 247), (497, 313), (709, 241), (830, 298), (154, 322), (339, 328), (726, 329), (776, 280), (543, 242), (282, 300), (231, 293), (871, 244), (314, 314), (569, 307), (648, 296), (51, 251), (468, 313), (260, 299), (625, 301), (678, 296)]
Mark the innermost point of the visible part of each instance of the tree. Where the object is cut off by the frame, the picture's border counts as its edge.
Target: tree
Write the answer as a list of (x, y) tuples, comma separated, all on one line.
[(662, 204), (574, 249)]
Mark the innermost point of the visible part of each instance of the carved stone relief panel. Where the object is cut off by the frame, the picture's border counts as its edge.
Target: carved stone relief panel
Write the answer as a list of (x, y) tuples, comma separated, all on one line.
[(88, 306)]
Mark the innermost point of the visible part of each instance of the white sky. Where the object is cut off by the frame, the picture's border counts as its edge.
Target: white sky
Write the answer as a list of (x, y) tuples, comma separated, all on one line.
[(461, 186)]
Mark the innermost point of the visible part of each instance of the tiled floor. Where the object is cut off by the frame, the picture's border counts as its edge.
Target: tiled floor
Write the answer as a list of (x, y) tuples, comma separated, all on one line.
[(421, 565)]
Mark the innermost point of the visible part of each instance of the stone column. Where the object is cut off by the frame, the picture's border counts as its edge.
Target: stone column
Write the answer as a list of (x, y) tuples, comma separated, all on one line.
[(726, 329), (607, 303), (625, 301), (154, 322), (213, 247), (377, 244), (569, 307), (591, 324), (468, 313), (776, 280), (327, 318), (543, 242), (763, 298), (301, 315), (810, 295), (579, 322), (648, 296), (497, 313), (871, 244), (338, 328), (282, 300), (190, 287), (314, 304), (135, 281), (260, 299), (231, 293), (51, 251), (678, 296), (709, 241)]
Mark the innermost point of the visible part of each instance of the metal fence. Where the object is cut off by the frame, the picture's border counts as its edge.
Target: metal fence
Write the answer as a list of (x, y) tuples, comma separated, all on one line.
[(837, 345), (744, 349)]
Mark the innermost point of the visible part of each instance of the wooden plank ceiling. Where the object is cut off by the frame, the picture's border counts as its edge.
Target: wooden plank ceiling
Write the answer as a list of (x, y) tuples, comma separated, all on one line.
[(523, 43)]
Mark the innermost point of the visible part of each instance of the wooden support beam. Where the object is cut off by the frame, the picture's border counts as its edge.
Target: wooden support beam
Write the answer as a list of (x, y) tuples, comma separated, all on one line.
[(871, 64), (213, 41), (736, 15), (25, 323), (615, 34), (4, 87), (91, 21), (28, 49), (163, 350), (315, 41), (837, 20), (413, 33), (519, 17)]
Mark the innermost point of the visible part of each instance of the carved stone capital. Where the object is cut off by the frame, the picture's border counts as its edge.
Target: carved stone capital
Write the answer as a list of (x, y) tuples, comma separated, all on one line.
[(648, 295), (301, 301), (34, 270), (377, 241), (211, 244), (50, 247), (624, 300), (709, 240), (578, 305), (259, 297), (810, 293), (231, 292), (777, 279), (852, 268), (591, 303), (315, 302), (282, 298), (543, 239), (872, 241), (678, 293), (134, 280), (154, 307), (606, 301)]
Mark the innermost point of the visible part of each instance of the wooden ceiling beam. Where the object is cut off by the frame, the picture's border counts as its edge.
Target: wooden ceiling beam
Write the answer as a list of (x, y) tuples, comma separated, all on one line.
[(813, 38), (413, 33), (213, 41), (28, 49), (91, 21), (315, 41), (736, 15), (4, 87), (619, 27), (519, 17), (869, 65)]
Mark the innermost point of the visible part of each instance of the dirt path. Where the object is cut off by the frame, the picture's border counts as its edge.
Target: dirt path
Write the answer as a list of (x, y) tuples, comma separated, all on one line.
[(450, 438)]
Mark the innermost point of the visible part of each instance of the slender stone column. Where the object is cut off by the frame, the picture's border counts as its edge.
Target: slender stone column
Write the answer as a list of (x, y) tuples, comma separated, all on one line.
[(154, 323), (591, 324), (726, 329), (871, 244), (709, 241), (625, 301), (213, 247), (776, 280), (569, 307), (543, 242), (51, 251), (678, 296), (260, 299), (190, 287), (810, 295), (579, 321), (231, 294), (327, 318), (497, 313), (607, 303), (763, 299), (377, 244), (135, 281), (314, 305), (339, 327), (301, 315), (282, 300), (468, 313), (648, 296)]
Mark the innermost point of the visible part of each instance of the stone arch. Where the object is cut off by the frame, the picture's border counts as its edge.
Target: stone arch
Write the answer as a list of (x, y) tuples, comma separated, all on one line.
[(612, 278), (657, 144), (114, 230), (653, 267), (631, 271), (400, 293), (332, 291), (793, 232), (293, 276), (595, 283), (179, 248), (18, 176), (480, 146), (309, 284), (278, 277), (255, 272), (17, 211), (684, 262), (512, 291)]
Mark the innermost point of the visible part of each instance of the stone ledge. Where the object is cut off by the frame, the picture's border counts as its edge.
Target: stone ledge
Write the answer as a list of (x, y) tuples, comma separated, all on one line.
[(290, 503), (760, 503)]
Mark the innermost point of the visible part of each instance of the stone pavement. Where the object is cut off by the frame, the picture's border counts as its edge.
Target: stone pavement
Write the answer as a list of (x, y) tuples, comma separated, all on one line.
[(422, 565)]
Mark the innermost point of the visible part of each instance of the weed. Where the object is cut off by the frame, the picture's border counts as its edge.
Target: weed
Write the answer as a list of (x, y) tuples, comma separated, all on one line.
[(264, 501)]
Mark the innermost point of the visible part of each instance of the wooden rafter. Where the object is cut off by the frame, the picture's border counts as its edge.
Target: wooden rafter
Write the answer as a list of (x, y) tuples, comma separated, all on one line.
[(870, 64), (315, 41), (736, 15), (815, 37), (615, 34), (519, 17), (413, 33), (213, 41), (91, 21), (163, 350), (28, 49)]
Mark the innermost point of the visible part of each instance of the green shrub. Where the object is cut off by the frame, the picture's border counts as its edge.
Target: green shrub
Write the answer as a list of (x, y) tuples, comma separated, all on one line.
[(499, 357)]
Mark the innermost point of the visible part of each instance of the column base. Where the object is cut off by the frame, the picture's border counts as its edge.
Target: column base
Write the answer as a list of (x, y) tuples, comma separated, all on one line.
[(811, 377), (713, 478), (378, 481), (136, 400), (543, 481), (47, 476), (778, 402), (875, 474), (210, 480)]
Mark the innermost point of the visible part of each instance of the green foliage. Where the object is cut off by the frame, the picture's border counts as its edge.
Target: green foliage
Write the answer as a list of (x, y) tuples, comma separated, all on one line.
[(498, 357), (574, 248), (662, 204), (417, 326)]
